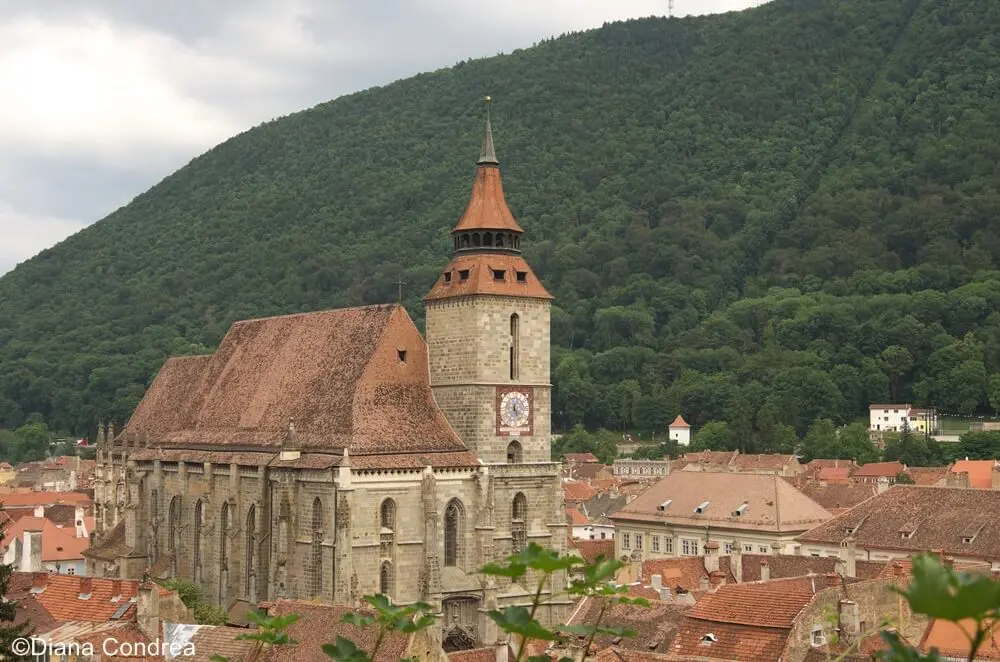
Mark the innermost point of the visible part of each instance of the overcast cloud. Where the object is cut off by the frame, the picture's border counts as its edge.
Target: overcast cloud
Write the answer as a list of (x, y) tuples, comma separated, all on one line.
[(103, 98)]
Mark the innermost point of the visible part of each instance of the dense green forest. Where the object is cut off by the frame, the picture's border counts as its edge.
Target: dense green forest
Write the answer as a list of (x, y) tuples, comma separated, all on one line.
[(760, 218)]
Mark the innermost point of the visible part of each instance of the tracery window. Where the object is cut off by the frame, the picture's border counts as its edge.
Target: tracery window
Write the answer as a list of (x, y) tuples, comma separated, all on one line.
[(518, 523)]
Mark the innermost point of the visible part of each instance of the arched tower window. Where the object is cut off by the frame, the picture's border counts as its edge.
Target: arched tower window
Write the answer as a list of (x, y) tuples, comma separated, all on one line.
[(386, 579), (154, 524), (519, 523), (251, 548), (225, 524), (499, 240), (316, 571), (515, 345), (199, 519), (465, 241), (488, 239), (514, 452), (174, 534), (476, 242), (454, 533), (387, 528)]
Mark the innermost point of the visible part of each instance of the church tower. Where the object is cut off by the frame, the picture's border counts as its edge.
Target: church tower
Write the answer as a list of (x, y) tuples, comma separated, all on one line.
[(488, 330)]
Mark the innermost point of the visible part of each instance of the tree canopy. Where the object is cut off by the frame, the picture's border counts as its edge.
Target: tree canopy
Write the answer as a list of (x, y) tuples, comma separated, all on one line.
[(761, 218)]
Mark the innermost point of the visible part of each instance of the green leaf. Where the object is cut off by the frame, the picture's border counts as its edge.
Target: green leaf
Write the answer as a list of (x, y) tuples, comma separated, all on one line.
[(940, 592), (518, 620), (511, 570), (344, 650)]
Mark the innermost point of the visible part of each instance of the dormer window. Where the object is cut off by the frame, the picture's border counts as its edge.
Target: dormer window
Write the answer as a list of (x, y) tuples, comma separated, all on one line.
[(522, 276), (702, 508), (708, 639), (665, 504), (401, 354), (742, 509), (447, 276), (498, 274), (463, 274)]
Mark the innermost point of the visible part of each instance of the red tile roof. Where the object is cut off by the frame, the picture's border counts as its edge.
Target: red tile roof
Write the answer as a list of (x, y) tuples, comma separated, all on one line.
[(980, 472), (487, 208), (711, 457), (740, 604), (655, 626), (61, 596), (834, 475), (211, 639), (474, 655), (679, 422), (952, 640), (335, 373), (481, 278), (320, 624), (837, 498), (58, 543), (575, 517), (32, 499), (765, 461), (743, 643), (879, 469), (589, 550), (581, 457), (683, 571), (927, 475), (577, 491)]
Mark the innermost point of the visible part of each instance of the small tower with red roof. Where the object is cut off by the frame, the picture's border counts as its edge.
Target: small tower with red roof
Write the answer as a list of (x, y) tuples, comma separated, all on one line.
[(680, 431)]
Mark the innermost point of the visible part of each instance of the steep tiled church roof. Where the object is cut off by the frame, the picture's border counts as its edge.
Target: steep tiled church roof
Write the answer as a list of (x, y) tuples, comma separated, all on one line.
[(354, 378)]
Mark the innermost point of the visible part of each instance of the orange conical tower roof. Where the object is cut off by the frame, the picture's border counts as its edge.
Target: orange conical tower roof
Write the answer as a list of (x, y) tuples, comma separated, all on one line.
[(679, 422), (487, 208), (487, 241)]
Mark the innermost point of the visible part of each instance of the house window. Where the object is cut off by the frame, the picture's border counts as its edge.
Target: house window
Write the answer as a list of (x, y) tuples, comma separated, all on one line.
[(689, 547), (626, 541), (514, 452), (603, 535), (818, 637), (401, 355), (668, 545), (655, 543), (748, 549), (729, 548), (763, 549), (71, 570), (638, 541)]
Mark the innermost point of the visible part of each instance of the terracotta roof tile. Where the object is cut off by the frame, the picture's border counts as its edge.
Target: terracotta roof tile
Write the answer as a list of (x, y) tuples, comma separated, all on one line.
[(740, 604), (712, 457), (321, 624), (58, 543), (928, 475), (879, 470), (679, 422), (742, 643), (487, 208), (575, 517), (770, 461), (945, 516), (980, 472), (655, 626), (952, 640), (336, 373), (588, 471), (578, 491), (766, 496), (589, 550), (474, 655), (211, 639), (683, 571), (834, 475), (837, 498), (478, 269), (581, 458), (61, 597), (32, 499)]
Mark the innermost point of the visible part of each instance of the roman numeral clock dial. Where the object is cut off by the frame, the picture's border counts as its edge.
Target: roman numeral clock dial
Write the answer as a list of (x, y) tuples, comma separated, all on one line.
[(514, 412)]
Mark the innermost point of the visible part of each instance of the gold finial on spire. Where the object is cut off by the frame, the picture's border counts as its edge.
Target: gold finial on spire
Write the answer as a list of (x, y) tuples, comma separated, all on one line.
[(488, 155)]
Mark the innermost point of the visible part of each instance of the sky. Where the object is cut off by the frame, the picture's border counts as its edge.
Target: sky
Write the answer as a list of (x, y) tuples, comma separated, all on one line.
[(104, 98)]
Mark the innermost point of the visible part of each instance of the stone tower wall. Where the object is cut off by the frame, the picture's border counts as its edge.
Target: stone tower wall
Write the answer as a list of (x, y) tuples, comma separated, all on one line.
[(468, 341)]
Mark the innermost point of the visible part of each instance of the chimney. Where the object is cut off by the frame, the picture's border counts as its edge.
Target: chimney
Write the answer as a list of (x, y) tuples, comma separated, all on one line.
[(765, 570), (81, 528), (40, 512), (31, 557), (39, 580), (711, 556), (86, 587), (881, 485), (849, 553), (716, 579), (657, 582), (148, 610), (703, 583), (736, 561), (849, 620)]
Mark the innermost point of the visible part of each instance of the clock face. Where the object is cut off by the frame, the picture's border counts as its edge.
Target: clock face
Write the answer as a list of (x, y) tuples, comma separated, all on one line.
[(514, 409)]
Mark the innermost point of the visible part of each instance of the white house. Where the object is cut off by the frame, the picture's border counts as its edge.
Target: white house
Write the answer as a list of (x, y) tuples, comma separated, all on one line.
[(600, 528), (680, 431), (893, 418)]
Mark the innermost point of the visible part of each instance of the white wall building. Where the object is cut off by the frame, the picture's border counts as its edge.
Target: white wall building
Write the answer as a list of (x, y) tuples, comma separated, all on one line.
[(680, 431), (893, 418)]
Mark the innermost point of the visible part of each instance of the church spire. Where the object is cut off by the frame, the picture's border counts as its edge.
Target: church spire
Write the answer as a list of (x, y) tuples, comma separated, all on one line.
[(488, 155)]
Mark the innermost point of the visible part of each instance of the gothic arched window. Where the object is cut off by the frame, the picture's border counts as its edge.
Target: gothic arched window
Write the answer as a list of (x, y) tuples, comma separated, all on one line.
[(514, 452), (386, 579), (174, 533), (465, 241), (499, 240), (476, 241), (154, 524), (454, 533), (225, 522), (251, 545), (515, 346), (387, 527), (519, 522), (316, 571), (199, 518)]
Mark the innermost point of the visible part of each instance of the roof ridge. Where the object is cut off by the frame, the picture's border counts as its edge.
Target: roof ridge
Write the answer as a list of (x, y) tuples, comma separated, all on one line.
[(307, 313)]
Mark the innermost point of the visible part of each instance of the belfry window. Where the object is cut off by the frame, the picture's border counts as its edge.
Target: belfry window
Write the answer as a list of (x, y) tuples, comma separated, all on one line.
[(476, 240), (515, 345), (463, 274), (488, 239), (514, 452), (518, 523), (498, 274), (499, 240), (522, 276)]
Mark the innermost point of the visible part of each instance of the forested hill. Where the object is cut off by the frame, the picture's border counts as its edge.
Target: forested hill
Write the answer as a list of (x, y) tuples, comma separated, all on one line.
[(760, 217)]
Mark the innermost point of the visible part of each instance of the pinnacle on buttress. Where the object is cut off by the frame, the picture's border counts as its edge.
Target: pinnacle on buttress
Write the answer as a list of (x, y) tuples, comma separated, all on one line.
[(488, 155)]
